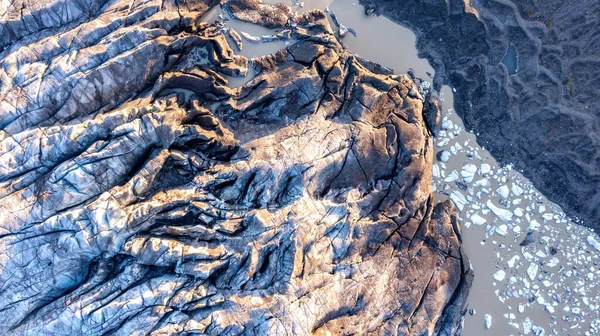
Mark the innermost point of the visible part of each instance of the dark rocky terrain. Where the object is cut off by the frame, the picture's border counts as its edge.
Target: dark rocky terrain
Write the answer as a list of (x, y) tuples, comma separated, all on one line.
[(142, 195), (527, 75)]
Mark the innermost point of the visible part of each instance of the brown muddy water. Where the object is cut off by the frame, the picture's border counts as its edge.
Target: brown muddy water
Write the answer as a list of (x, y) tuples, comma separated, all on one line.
[(547, 287)]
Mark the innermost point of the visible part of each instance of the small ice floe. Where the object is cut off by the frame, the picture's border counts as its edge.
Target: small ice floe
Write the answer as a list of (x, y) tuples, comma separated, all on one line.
[(503, 191), (484, 183), (453, 176), (538, 331), (593, 242), (342, 29), (534, 225), (458, 199), (502, 230), (436, 171), (504, 214), (468, 172), (532, 271), (250, 38), (484, 168), (500, 275), (488, 321), (516, 190), (456, 148), (447, 124), (478, 220), (444, 156), (511, 263), (268, 38), (527, 326), (281, 36), (553, 262), (518, 212)]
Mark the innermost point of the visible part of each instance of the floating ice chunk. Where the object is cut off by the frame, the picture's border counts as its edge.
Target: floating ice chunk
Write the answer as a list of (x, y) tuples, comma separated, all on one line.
[(447, 124), (504, 214), (436, 171), (342, 30), (484, 169), (482, 183), (503, 191), (534, 225), (502, 230), (488, 321), (456, 148), (526, 254), (458, 199), (521, 308), (592, 241), (532, 271), (444, 156), (513, 260), (269, 38), (541, 209), (250, 38), (518, 212), (500, 275), (453, 176), (516, 190), (553, 262), (547, 216), (468, 172), (478, 220), (527, 326)]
